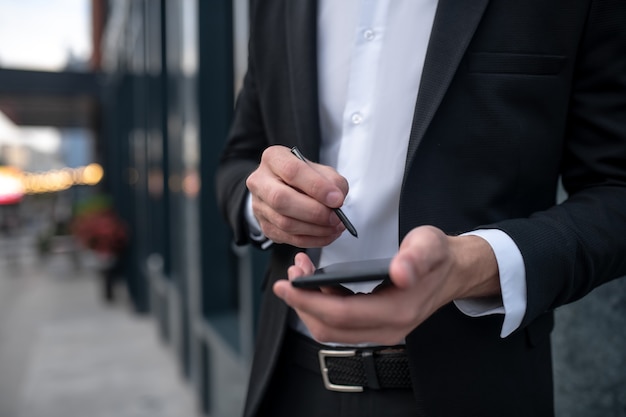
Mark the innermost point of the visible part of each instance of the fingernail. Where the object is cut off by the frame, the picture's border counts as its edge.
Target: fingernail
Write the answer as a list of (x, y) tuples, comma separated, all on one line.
[(333, 199)]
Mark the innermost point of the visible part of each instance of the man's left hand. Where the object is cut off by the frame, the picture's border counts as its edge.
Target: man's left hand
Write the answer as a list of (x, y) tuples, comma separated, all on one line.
[(430, 270)]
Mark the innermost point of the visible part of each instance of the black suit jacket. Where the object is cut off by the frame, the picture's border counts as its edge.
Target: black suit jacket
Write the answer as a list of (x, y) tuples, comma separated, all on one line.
[(514, 95)]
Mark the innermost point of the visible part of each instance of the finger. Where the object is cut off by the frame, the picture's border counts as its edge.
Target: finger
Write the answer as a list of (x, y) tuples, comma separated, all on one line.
[(401, 272), (357, 311), (422, 250), (304, 177), (294, 272), (348, 319), (381, 336), (280, 202), (302, 241), (314, 238), (302, 266), (304, 262), (282, 227), (268, 217), (330, 173), (338, 290)]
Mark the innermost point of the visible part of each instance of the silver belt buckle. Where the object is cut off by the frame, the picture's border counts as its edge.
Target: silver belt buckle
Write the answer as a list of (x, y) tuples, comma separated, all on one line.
[(323, 354)]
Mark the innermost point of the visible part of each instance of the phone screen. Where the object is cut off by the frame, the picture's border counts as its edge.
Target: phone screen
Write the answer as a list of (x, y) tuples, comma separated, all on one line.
[(345, 273)]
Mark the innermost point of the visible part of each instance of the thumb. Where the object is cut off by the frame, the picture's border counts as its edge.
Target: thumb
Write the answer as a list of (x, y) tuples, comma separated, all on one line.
[(402, 272)]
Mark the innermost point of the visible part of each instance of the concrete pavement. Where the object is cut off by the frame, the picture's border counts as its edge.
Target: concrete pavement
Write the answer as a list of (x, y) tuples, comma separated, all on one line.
[(65, 353)]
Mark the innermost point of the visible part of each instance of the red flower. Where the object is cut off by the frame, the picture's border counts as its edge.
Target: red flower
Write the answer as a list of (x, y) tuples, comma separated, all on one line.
[(101, 231)]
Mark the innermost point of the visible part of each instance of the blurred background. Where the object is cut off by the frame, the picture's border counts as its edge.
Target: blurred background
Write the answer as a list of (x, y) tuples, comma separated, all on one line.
[(121, 293)]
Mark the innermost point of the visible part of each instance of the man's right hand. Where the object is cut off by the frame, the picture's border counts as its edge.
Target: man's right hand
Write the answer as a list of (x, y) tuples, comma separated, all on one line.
[(293, 200)]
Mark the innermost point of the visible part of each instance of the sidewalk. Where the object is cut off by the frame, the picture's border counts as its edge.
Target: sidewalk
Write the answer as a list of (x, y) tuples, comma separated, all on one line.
[(64, 353)]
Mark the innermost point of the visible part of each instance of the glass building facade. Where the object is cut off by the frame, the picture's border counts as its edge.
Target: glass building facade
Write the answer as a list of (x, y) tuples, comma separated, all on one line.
[(171, 71)]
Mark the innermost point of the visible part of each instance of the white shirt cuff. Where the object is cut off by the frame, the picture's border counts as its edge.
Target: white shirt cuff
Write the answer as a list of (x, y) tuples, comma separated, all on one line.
[(254, 227), (512, 283)]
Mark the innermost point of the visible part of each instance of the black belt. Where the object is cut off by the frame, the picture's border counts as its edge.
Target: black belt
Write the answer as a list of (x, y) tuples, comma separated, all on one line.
[(348, 369)]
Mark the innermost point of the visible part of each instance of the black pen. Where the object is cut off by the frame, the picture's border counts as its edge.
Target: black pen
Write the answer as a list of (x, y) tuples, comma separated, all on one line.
[(337, 211)]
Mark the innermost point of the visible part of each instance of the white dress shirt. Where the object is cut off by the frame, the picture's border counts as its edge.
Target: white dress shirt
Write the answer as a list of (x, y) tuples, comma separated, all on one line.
[(370, 59)]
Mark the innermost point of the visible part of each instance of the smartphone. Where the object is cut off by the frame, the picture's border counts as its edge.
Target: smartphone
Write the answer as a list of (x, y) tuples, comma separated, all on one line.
[(345, 273)]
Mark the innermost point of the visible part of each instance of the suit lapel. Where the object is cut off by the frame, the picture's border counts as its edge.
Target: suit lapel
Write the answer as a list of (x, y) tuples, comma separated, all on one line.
[(453, 29), (454, 26), (301, 34)]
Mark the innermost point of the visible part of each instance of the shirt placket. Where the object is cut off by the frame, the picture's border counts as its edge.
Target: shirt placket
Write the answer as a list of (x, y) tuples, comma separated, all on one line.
[(357, 118)]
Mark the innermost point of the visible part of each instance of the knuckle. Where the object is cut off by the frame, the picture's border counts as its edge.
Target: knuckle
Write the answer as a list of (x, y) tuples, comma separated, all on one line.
[(290, 171), (272, 232), (316, 187), (269, 154), (319, 187), (251, 181), (284, 223), (276, 198), (319, 214), (336, 179)]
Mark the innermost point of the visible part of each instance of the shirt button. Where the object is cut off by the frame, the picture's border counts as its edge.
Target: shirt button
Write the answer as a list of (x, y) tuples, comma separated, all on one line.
[(369, 35), (356, 118)]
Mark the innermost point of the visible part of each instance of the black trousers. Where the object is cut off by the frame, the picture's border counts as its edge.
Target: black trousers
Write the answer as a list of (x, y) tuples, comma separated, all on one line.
[(299, 391)]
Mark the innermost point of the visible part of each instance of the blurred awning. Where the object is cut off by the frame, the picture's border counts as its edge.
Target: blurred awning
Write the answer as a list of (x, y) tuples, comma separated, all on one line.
[(11, 186), (59, 99)]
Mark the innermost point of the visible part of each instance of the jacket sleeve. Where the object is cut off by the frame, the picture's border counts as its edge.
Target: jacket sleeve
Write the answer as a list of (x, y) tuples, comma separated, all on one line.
[(573, 247), (240, 156)]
